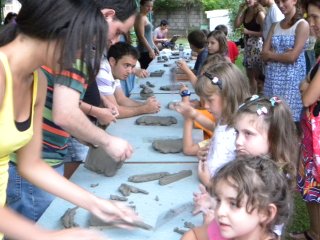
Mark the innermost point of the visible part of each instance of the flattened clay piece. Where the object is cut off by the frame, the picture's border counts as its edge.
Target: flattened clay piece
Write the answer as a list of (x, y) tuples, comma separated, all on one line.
[(189, 225), (168, 145), (118, 198), (149, 84), (156, 198), (146, 92), (156, 120), (126, 190), (167, 64), (172, 87), (142, 86), (100, 162), (67, 218), (97, 222), (93, 185), (147, 177), (180, 231), (175, 177), (157, 73)]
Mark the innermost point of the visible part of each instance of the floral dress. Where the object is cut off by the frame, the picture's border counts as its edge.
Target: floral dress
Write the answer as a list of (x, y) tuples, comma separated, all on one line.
[(283, 79), (309, 169)]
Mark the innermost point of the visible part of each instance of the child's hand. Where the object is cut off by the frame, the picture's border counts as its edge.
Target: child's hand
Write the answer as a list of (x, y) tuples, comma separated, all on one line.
[(183, 88), (203, 153), (186, 110), (182, 65), (202, 200)]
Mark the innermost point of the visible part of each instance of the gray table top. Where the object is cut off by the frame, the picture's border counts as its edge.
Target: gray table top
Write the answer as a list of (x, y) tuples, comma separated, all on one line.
[(147, 206)]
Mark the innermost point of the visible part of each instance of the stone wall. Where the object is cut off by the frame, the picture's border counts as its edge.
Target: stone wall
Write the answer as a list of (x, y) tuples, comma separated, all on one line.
[(178, 20)]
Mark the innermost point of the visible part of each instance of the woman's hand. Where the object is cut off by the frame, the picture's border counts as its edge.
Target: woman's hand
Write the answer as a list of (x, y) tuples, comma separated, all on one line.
[(266, 55), (113, 211)]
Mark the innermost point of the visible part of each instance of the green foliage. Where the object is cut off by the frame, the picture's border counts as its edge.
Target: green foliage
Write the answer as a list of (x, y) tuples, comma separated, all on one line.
[(166, 5), (171, 5)]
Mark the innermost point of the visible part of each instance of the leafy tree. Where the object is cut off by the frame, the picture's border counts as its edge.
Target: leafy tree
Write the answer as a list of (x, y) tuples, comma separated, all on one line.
[(166, 5)]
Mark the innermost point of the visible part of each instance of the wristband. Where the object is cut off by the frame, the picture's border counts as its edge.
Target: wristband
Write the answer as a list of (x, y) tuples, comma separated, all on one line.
[(185, 93)]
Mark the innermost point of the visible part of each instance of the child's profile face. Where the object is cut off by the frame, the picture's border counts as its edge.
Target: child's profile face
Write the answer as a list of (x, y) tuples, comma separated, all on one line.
[(252, 135), (234, 221), (214, 105), (213, 45)]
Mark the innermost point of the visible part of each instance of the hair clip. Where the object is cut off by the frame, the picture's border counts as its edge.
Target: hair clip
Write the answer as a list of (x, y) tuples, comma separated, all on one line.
[(274, 100), (262, 110), (254, 97), (241, 105), (214, 80)]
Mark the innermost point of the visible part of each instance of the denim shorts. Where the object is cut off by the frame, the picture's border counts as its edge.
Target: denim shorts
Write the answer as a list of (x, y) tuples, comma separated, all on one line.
[(77, 152), (24, 197)]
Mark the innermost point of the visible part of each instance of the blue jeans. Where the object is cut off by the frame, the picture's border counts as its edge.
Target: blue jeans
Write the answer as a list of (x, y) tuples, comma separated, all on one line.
[(77, 152), (24, 197)]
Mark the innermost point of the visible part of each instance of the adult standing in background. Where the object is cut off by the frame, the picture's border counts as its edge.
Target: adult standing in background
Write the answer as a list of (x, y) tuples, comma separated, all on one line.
[(251, 15), (273, 15), (144, 31), (283, 51), (309, 168)]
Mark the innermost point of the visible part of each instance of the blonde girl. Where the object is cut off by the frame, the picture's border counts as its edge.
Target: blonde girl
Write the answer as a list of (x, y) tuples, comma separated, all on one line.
[(223, 87)]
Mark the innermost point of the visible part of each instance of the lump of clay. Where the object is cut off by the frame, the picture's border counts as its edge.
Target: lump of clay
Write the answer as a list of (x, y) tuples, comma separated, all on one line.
[(149, 84), (175, 177), (96, 222), (168, 145), (126, 190), (147, 177), (146, 92), (156, 120), (172, 87), (157, 73), (67, 219), (100, 162)]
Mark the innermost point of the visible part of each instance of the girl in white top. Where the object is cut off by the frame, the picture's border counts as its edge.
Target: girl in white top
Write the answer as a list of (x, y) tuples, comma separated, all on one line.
[(223, 88)]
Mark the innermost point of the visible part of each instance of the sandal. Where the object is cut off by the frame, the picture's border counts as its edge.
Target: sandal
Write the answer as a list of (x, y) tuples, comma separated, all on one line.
[(300, 235)]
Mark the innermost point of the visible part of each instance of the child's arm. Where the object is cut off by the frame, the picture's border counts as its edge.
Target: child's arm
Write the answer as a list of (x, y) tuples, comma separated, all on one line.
[(189, 147), (185, 68), (189, 112), (204, 174), (311, 90)]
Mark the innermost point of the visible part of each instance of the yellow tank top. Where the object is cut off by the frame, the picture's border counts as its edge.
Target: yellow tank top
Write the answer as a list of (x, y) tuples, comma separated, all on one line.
[(11, 139)]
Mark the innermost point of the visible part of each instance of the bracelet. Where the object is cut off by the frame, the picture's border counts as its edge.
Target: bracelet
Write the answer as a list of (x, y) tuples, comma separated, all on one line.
[(185, 93), (89, 110)]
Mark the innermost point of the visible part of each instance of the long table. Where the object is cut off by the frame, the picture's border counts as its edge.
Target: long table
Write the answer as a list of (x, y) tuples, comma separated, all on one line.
[(160, 199)]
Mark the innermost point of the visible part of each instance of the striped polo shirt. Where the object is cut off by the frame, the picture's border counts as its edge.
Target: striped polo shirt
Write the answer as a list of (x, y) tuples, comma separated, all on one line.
[(55, 139)]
